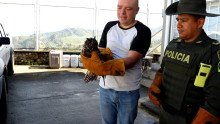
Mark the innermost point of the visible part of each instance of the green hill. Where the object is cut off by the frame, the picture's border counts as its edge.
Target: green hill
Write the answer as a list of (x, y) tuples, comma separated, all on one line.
[(66, 39)]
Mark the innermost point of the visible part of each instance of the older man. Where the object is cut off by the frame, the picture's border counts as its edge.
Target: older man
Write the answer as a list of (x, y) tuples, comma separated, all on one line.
[(129, 40)]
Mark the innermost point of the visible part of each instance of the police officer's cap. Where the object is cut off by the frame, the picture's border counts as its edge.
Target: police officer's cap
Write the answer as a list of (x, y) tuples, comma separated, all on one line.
[(196, 7)]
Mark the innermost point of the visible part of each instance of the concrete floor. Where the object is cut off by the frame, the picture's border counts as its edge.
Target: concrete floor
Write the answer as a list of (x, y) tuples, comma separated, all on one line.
[(57, 96)]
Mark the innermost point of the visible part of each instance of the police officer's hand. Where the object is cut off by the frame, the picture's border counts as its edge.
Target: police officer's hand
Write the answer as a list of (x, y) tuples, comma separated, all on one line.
[(205, 117), (154, 90)]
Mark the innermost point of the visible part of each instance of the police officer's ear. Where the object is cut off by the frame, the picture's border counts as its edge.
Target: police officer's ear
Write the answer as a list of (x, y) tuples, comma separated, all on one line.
[(200, 22)]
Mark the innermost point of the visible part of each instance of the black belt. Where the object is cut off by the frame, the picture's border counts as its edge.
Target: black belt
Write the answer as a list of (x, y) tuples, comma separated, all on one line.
[(186, 109), (189, 111), (171, 110)]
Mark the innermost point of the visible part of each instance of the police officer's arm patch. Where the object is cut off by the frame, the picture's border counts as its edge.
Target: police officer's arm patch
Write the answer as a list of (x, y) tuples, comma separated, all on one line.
[(218, 66), (218, 54)]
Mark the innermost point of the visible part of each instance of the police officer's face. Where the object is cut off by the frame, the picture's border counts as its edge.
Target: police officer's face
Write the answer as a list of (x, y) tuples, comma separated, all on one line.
[(126, 12), (188, 27)]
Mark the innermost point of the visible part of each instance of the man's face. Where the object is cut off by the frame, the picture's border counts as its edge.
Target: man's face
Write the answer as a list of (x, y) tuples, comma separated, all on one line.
[(126, 12), (188, 27)]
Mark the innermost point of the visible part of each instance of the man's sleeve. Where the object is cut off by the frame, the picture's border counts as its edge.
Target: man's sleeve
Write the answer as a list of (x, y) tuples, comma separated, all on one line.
[(103, 40), (142, 41)]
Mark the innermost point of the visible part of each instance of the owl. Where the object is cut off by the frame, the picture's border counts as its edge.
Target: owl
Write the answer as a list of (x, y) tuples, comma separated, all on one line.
[(90, 45)]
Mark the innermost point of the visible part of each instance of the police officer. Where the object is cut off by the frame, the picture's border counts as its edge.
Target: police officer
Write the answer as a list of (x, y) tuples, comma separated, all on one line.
[(187, 87)]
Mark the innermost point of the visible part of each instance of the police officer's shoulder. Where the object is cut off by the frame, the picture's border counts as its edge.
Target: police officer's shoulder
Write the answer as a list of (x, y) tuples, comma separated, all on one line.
[(178, 39), (216, 49), (218, 54), (216, 43)]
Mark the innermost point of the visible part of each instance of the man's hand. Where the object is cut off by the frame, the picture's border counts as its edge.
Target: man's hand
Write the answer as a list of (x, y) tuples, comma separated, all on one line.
[(154, 90), (112, 67), (106, 54)]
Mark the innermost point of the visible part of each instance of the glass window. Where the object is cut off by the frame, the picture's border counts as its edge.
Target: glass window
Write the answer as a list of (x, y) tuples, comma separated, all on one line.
[(212, 24), (144, 5), (107, 4), (218, 36), (155, 21), (214, 9), (102, 20), (19, 22), (65, 28), (142, 17), (72, 3), (48, 21), (19, 1)]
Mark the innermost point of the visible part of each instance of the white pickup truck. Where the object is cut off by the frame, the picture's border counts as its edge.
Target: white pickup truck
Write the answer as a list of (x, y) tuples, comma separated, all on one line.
[(6, 69)]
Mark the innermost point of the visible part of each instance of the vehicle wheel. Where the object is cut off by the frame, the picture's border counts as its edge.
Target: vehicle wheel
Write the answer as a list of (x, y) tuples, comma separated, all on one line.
[(10, 67), (3, 103)]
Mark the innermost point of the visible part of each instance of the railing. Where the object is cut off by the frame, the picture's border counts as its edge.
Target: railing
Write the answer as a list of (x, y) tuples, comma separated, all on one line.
[(156, 45)]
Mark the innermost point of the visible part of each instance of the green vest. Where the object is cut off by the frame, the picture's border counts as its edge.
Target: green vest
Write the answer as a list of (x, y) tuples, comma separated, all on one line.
[(180, 66)]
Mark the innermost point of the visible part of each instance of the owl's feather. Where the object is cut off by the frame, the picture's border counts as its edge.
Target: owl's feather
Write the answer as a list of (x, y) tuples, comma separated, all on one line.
[(90, 45)]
